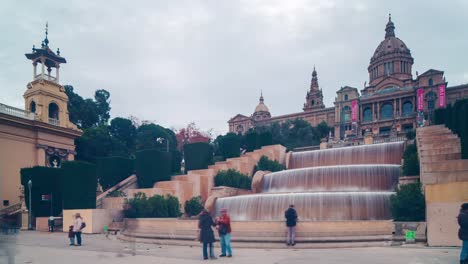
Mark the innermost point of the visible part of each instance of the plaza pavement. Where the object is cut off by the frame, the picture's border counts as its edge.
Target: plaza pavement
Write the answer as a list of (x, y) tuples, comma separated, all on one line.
[(45, 248)]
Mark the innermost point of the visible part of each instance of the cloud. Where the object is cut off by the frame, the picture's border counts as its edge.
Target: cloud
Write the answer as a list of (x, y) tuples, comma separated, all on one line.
[(205, 61)]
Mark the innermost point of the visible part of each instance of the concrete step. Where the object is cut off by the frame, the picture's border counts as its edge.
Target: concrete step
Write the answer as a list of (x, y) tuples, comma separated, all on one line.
[(444, 177), (447, 165), (438, 151), (439, 144), (439, 157), (433, 138)]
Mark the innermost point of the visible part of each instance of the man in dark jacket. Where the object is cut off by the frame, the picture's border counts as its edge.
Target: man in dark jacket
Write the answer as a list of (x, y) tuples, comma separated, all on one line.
[(291, 220), (463, 233)]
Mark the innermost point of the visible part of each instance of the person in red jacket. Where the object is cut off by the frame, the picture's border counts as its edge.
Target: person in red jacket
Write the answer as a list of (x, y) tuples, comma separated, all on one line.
[(224, 230)]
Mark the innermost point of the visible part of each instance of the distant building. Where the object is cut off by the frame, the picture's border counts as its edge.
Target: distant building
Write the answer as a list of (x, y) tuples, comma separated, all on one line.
[(41, 134), (387, 105)]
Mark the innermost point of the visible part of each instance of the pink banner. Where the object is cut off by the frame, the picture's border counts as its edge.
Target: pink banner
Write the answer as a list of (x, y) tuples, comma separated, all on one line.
[(354, 110), (442, 95), (420, 99)]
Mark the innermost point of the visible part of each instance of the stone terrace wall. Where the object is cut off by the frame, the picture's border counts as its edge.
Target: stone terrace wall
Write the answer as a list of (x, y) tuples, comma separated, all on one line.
[(445, 180)]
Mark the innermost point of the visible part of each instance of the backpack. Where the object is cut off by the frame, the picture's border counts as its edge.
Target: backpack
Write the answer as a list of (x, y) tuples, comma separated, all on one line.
[(83, 225)]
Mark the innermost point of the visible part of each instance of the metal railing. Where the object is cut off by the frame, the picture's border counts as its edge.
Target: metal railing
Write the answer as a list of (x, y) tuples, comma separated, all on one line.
[(54, 121), (389, 139), (10, 209), (13, 111)]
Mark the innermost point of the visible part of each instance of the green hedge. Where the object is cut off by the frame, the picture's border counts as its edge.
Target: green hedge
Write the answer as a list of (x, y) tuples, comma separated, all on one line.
[(233, 178), (44, 181), (229, 145), (250, 141), (455, 118), (264, 139), (411, 161), (408, 203), (193, 206), (79, 185), (198, 156), (154, 207), (112, 170), (152, 166), (176, 161), (265, 164)]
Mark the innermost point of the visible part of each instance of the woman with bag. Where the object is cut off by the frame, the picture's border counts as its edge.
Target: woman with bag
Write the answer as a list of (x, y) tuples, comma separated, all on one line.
[(206, 234)]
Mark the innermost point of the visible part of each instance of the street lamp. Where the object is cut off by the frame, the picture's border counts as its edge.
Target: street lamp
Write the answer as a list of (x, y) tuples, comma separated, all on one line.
[(160, 140), (30, 205)]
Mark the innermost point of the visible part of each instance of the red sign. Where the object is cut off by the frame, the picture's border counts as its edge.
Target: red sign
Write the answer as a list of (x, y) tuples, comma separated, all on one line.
[(354, 110), (420, 99), (45, 197), (442, 95)]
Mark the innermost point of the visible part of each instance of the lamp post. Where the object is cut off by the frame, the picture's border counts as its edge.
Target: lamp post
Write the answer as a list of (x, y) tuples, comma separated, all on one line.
[(30, 205), (160, 140)]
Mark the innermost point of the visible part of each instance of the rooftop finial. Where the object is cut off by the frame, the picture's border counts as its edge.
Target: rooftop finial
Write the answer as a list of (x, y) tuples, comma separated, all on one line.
[(261, 96), (46, 40), (390, 28)]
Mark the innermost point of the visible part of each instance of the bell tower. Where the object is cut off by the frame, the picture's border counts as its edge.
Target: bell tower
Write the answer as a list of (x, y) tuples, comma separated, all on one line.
[(44, 95), (314, 97)]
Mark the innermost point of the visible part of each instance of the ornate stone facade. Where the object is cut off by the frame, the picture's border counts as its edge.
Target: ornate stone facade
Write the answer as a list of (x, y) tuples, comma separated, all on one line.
[(39, 135), (386, 106)]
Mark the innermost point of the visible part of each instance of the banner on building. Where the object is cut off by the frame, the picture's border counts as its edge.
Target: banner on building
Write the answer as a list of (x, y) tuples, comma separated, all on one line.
[(354, 110), (420, 99), (442, 95)]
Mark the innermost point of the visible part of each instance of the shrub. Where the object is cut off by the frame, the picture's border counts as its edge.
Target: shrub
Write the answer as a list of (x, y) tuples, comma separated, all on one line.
[(408, 203), (116, 193), (44, 181), (173, 206), (411, 161), (266, 164), (411, 134), (79, 185), (264, 139), (229, 145), (156, 206), (193, 206), (233, 178), (198, 156), (152, 166), (112, 170)]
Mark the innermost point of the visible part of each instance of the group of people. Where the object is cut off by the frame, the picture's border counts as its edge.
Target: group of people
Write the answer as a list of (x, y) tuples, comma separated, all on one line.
[(223, 225), (206, 234), (75, 230)]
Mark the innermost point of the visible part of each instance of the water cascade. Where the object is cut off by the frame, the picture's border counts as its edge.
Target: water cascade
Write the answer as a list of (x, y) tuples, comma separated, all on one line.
[(352, 183)]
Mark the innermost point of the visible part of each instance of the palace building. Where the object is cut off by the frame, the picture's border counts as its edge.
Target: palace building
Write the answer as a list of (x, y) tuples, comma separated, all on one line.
[(41, 134), (389, 105)]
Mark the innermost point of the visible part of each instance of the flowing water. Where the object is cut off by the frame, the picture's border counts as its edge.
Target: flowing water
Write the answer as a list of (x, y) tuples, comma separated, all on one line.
[(353, 183)]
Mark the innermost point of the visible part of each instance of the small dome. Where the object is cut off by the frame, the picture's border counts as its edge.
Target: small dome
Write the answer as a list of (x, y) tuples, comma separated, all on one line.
[(261, 107)]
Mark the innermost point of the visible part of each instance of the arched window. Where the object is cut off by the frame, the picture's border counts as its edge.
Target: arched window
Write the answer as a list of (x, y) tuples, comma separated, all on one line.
[(407, 108), (240, 129), (346, 97), (32, 107), (53, 111), (367, 114), (312, 102), (386, 111), (346, 113), (431, 82), (431, 99)]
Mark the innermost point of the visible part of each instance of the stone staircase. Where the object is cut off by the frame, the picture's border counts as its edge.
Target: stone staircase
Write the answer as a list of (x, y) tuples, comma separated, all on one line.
[(439, 152), (444, 176)]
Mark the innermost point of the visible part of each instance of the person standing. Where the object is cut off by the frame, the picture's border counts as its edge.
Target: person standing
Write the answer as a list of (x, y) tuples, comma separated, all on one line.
[(78, 225), (206, 233), (51, 223), (463, 233), (71, 235), (224, 230), (291, 219)]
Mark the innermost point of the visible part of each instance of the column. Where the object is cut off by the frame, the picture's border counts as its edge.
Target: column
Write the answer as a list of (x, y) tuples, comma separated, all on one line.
[(57, 67), (378, 110), (394, 108), (42, 68), (34, 70), (401, 110)]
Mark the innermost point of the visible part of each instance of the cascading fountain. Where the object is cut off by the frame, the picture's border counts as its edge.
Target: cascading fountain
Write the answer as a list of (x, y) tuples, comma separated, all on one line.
[(343, 184)]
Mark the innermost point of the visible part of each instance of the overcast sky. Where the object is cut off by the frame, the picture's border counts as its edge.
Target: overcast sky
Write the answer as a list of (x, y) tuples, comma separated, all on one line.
[(173, 62)]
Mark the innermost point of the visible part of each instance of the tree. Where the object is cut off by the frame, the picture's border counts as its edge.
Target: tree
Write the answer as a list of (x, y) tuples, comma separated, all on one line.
[(191, 134), (148, 133), (323, 129), (408, 204), (228, 145), (87, 113), (102, 105), (97, 142), (123, 130)]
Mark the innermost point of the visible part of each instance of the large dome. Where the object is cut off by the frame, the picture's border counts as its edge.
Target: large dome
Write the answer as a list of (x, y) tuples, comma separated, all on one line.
[(390, 44), (261, 107)]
